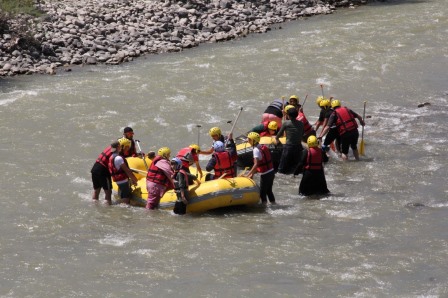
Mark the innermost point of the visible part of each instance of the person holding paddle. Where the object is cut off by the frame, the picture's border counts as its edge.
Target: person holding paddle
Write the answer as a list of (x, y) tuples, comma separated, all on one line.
[(344, 118), (269, 130), (263, 165)]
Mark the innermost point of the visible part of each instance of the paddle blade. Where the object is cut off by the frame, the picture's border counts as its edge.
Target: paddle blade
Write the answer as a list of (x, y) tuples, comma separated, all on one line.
[(361, 148)]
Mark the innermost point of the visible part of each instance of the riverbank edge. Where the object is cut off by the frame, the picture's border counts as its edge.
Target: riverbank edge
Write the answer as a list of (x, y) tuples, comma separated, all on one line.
[(89, 32)]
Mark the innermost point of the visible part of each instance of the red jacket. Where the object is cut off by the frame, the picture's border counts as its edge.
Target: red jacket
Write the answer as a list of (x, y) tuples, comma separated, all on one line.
[(224, 164), (265, 164), (104, 157)]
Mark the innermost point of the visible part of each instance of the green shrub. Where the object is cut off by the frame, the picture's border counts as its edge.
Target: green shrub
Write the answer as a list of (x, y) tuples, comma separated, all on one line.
[(13, 7)]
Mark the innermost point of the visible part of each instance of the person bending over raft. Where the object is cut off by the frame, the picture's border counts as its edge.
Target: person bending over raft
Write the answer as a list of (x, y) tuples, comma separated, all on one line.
[(222, 161), (273, 112), (293, 147), (313, 180), (119, 169), (347, 128), (159, 179), (182, 179), (189, 156), (263, 165), (263, 130)]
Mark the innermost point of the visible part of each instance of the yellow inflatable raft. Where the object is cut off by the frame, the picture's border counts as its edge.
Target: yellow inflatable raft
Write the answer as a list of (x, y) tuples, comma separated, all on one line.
[(207, 196), (245, 155)]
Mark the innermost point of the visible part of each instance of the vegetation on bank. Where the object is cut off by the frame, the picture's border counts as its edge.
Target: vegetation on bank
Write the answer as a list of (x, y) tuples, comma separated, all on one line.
[(10, 8)]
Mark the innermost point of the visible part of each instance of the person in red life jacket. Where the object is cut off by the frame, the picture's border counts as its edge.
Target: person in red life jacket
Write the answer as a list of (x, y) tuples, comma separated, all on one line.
[(262, 164), (216, 135), (222, 161), (189, 156), (269, 130), (344, 118), (119, 170), (313, 179), (182, 179), (274, 112), (159, 179), (101, 175)]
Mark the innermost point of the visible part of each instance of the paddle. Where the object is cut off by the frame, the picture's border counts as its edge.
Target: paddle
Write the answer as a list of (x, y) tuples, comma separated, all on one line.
[(222, 176), (234, 123), (283, 108), (199, 129), (322, 89), (139, 171), (361, 146), (142, 155), (304, 101)]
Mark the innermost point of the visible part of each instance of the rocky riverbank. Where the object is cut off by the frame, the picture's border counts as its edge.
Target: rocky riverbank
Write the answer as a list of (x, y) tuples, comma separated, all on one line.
[(116, 31)]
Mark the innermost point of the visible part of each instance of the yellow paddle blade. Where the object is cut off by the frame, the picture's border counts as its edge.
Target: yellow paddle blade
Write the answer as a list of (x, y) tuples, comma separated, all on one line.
[(361, 147)]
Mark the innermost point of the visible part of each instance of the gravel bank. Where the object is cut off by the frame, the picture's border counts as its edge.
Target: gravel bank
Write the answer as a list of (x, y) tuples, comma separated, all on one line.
[(116, 31)]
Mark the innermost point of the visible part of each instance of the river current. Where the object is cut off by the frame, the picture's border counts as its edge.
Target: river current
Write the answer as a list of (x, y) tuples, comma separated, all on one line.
[(383, 232)]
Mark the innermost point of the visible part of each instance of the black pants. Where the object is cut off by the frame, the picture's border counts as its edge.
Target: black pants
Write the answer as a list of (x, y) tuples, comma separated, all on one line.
[(266, 182), (289, 159)]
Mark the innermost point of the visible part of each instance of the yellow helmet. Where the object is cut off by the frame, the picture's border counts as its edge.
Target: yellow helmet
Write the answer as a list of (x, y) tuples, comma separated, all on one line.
[(124, 142), (254, 137), (288, 107), (273, 125), (164, 152), (335, 103), (324, 103), (312, 142), (294, 97), (319, 99), (195, 147), (214, 131)]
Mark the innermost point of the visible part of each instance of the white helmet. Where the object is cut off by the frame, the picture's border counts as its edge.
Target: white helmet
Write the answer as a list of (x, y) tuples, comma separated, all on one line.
[(218, 146)]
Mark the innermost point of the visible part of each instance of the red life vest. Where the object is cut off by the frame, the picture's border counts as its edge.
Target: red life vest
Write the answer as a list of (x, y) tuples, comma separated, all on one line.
[(156, 175), (104, 157), (186, 156), (345, 121), (314, 159), (307, 128), (117, 174), (265, 164), (224, 164)]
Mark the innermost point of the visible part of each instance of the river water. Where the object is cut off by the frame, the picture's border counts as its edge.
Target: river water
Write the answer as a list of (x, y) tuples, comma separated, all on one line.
[(382, 233)]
